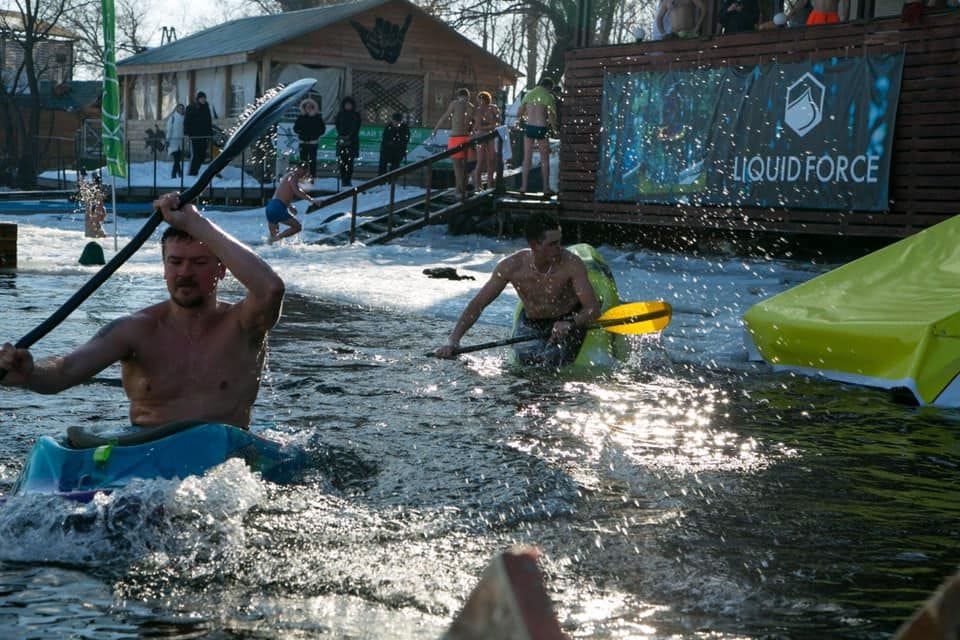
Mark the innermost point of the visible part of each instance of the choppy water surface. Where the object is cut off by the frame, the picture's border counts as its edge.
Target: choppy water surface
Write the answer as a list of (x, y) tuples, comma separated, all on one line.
[(688, 495)]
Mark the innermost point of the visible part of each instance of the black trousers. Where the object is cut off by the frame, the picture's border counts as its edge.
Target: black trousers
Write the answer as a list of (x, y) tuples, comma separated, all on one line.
[(308, 154), (199, 148), (390, 160), (345, 163), (177, 164)]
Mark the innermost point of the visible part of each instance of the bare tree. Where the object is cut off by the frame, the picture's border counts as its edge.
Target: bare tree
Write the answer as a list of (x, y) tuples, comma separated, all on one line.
[(86, 20), (29, 25), (551, 27)]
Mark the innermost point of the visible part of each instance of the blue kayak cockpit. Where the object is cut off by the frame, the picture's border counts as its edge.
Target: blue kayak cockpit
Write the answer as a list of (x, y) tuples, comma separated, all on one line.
[(109, 460)]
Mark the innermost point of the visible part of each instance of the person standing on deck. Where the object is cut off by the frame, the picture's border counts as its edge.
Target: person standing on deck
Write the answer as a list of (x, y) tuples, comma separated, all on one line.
[(176, 142), (191, 357), (460, 114), (198, 125), (309, 127), (347, 123), (680, 18), (828, 12), (738, 16), (538, 111), (393, 144), (486, 119), (558, 300)]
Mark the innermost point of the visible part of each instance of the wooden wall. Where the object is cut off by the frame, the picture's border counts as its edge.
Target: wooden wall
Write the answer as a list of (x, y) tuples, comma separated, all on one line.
[(925, 174), (431, 50)]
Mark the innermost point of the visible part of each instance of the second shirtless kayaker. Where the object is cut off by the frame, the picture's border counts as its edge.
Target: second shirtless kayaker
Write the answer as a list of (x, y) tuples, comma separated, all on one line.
[(552, 283)]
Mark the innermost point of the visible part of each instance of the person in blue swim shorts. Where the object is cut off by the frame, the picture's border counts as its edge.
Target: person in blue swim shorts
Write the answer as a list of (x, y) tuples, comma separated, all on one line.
[(280, 209)]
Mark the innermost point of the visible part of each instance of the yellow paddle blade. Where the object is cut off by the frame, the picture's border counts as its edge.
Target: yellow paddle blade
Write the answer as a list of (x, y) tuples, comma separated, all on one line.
[(634, 318)]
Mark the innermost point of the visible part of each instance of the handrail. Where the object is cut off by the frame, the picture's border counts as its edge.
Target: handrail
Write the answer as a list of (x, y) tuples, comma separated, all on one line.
[(393, 176)]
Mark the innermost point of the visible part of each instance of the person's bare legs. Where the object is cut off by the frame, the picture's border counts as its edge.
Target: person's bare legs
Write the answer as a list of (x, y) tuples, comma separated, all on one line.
[(478, 170), (490, 151), (544, 146), (527, 159), (459, 173), (293, 227)]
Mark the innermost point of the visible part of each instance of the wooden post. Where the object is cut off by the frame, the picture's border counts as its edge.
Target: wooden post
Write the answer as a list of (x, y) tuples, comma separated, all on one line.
[(8, 245)]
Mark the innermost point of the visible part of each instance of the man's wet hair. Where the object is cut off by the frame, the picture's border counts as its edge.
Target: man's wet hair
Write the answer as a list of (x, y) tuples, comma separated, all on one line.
[(176, 234), (538, 224), (463, 91), (172, 232), (546, 83)]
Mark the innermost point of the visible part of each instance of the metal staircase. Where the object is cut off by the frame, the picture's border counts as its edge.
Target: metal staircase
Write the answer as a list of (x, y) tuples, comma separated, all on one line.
[(381, 225), (400, 218)]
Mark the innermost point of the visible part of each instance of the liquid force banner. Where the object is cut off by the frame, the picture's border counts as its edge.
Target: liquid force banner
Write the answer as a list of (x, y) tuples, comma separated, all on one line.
[(806, 135)]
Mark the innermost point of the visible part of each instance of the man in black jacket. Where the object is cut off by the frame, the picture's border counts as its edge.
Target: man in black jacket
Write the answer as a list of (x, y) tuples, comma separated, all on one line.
[(393, 146), (309, 126), (739, 15), (347, 123), (198, 125)]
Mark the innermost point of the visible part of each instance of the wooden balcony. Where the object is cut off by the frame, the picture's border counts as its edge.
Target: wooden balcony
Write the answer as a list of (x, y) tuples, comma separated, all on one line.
[(925, 172)]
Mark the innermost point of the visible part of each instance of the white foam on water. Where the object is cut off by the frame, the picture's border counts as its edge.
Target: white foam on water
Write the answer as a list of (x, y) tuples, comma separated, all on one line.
[(709, 295)]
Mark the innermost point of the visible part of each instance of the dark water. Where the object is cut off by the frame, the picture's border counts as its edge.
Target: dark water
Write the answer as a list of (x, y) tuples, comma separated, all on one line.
[(670, 500)]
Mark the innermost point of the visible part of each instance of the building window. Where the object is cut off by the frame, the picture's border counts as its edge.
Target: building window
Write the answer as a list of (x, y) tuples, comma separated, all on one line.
[(379, 95)]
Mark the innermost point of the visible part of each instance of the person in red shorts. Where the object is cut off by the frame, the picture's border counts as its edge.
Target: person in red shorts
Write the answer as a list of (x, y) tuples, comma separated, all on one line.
[(827, 12), (460, 114)]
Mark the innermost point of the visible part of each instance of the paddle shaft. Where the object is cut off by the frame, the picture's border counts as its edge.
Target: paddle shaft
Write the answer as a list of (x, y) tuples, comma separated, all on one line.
[(604, 324), (249, 131)]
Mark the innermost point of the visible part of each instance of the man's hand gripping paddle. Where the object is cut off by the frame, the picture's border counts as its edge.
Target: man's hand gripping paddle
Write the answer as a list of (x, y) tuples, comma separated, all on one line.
[(252, 128), (631, 318)]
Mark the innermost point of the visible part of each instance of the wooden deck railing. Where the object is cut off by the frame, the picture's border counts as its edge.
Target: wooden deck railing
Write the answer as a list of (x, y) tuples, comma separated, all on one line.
[(392, 177)]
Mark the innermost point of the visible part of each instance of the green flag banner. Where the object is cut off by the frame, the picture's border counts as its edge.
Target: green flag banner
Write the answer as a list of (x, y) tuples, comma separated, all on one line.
[(112, 123)]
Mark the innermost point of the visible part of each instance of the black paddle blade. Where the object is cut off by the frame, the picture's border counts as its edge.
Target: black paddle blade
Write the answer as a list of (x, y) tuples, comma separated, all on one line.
[(268, 110), (261, 117)]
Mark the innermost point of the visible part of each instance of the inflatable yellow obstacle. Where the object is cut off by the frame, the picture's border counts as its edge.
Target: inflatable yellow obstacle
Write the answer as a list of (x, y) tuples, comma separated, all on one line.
[(890, 319)]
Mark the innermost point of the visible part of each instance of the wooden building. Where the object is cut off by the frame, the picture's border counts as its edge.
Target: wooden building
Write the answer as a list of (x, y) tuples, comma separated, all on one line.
[(389, 55), (924, 176)]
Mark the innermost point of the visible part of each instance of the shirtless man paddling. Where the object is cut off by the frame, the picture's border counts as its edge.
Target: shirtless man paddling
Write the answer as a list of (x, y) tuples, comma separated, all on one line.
[(191, 357), (552, 283)]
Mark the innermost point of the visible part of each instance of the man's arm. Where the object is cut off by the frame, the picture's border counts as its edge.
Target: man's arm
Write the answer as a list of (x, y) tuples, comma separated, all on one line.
[(303, 195), (446, 114), (487, 294), (52, 375), (260, 308), (701, 9), (661, 13), (590, 305)]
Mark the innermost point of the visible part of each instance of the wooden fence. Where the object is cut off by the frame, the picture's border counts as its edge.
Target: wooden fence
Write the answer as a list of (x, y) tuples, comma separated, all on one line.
[(925, 171)]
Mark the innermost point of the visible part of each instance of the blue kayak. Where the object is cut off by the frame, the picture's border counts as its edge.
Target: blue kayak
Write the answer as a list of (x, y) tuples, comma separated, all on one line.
[(90, 462)]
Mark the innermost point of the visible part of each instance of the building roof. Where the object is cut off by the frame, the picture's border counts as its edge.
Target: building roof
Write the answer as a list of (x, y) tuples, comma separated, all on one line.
[(76, 95), (14, 20), (256, 33)]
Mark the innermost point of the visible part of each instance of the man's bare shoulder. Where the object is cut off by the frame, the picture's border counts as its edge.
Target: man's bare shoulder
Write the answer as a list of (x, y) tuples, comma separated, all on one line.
[(572, 262), (132, 328), (509, 266)]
